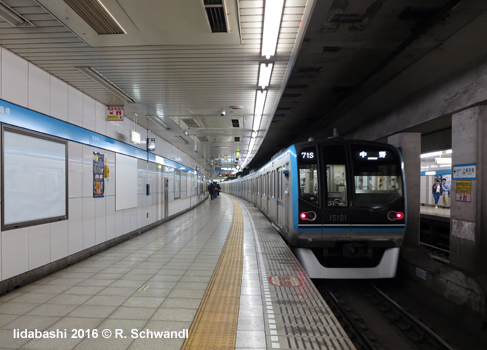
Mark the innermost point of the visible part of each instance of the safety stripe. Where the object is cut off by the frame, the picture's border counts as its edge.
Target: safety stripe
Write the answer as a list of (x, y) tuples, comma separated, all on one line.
[(215, 323)]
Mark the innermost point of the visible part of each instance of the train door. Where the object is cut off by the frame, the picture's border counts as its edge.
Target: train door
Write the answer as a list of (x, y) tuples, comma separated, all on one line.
[(280, 198), (337, 209), (268, 193), (275, 191), (286, 187)]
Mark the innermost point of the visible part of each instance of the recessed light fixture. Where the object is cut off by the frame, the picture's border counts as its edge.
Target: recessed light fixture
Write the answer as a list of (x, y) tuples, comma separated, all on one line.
[(107, 84), (13, 17), (158, 120)]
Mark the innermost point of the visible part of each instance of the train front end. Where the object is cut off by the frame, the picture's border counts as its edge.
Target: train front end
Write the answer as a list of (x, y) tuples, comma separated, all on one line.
[(349, 208)]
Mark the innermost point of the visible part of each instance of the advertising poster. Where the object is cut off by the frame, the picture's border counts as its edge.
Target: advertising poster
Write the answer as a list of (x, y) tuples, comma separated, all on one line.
[(98, 175)]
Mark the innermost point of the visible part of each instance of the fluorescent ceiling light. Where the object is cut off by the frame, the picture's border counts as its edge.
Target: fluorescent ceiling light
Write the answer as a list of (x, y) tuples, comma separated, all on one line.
[(272, 22), (260, 102), (254, 134), (256, 123), (251, 144), (107, 84), (432, 154), (265, 72), (430, 173), (13, 17), (443, 161), (158, 120)]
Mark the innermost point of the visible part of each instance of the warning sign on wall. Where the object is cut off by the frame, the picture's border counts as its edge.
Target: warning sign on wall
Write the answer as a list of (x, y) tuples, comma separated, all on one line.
[(464, 191), (115, 113)]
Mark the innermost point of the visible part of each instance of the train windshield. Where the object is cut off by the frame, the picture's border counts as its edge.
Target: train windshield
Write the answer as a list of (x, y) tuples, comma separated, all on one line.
[(377, 176), (308, 176)]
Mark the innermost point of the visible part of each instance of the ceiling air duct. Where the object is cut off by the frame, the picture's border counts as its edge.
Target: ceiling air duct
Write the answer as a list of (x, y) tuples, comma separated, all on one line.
[(217, 15), (96, 15)]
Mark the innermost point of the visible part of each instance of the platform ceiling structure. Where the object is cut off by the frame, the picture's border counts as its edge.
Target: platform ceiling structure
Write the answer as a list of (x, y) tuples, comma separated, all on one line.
[(188, 70), (361, 60)]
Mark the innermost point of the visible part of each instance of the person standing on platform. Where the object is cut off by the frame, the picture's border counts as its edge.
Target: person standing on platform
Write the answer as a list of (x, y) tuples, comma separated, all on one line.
[(437, 191), (446, 191), (218, 188), (211, 190)]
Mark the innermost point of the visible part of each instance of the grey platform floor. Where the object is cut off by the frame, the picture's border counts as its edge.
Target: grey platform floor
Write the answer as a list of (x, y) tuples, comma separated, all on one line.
[(155, 283)]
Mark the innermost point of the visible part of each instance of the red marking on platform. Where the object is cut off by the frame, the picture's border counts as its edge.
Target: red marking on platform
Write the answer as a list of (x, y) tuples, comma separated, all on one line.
[(285, 281)]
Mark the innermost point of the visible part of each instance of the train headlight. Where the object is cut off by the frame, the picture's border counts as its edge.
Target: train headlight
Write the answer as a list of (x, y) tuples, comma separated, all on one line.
[(308, 216), (395, 215)]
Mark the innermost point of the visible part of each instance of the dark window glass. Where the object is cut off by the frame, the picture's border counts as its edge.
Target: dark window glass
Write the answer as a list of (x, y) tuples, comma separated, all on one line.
[(377, 175), (308, 175)]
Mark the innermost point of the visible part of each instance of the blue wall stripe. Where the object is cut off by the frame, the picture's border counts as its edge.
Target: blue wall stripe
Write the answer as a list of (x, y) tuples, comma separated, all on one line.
[(14, 115)]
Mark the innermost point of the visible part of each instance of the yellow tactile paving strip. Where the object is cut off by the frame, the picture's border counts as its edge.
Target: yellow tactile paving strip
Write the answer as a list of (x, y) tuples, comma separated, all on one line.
[(215, 323)]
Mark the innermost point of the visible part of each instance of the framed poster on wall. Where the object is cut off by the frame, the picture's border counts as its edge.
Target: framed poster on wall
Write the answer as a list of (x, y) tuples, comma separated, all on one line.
[(34, 179), (98, 175)]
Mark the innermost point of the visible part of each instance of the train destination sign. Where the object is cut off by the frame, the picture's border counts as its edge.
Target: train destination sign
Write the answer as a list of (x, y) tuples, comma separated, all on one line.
[(372, 155)]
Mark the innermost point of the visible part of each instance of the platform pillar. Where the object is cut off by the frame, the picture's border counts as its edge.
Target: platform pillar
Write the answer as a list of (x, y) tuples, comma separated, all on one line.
[(409, 144), (468, 233)]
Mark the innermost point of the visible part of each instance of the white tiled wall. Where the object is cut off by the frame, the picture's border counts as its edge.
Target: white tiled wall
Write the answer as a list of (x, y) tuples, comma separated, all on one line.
[(39, 245), (15, 252), (38, 94), (91, 220), (75, 225), (58, 99), (15, 72)]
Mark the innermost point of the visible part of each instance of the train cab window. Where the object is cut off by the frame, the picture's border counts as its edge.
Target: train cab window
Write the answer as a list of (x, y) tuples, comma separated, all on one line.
[(336, 176), (308, 176), (377, 176)]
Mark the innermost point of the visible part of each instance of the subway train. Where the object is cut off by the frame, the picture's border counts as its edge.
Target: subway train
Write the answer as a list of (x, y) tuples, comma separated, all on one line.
[(340, 204)]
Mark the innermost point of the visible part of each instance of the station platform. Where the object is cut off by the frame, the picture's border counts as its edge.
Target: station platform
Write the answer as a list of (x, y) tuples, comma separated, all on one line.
[(217, 277), (434, 212)]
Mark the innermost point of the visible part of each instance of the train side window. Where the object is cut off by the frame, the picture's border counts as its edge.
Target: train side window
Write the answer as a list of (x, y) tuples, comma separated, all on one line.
[(308, 176), (336, 176)]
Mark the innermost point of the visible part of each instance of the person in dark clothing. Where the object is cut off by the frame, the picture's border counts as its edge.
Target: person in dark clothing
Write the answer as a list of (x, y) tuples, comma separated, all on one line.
[(218, 188), (211, 190)]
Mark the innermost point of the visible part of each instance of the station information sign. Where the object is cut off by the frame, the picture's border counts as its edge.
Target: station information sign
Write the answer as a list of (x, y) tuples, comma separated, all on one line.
[(463, 192), (465, 172)]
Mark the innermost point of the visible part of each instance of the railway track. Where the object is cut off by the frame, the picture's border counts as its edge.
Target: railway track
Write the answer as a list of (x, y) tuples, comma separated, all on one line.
[(375, 321), (436, 253)]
